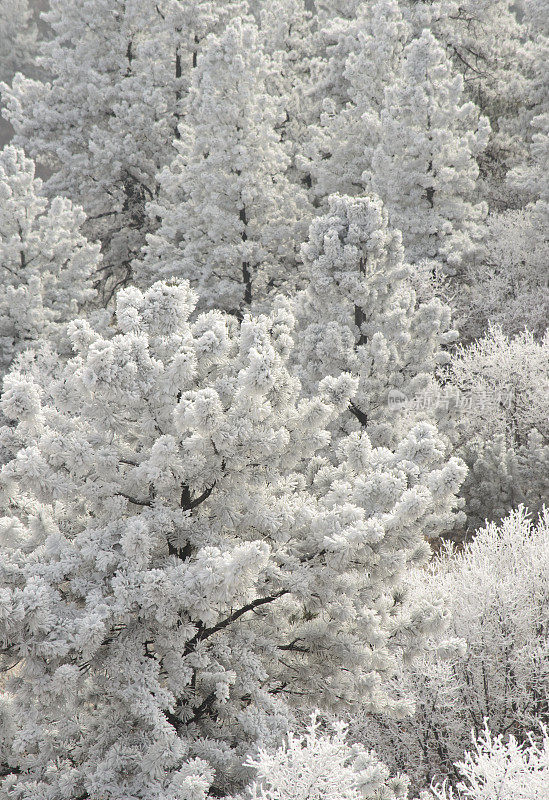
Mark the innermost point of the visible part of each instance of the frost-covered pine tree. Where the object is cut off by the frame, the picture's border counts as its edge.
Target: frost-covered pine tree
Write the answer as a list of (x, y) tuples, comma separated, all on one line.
[(424, 167), (485, 40), (104, 120), (532, 178), (335, 36), (339, 148), (17, 38), (47, 266), (286, 30), (231, 220), (359, 314), (179, 567), (488, 44)]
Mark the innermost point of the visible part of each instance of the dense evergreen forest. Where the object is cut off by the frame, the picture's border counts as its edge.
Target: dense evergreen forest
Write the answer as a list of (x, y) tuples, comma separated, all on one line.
[(274, 406)]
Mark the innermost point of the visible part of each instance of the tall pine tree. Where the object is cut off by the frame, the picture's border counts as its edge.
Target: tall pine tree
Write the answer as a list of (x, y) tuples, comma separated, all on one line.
[(231, 219), (179, 567), (425, 165)]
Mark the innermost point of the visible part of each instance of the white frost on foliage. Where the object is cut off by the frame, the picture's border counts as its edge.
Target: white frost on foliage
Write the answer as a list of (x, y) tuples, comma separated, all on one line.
[(367, 51), (495, 409), (46, 263), (500, 769), (509, 286), (17, 38), (360, 315), (425, 165), (230, 217), (496, 591), (322, 766), (190, 560), (116, 78)]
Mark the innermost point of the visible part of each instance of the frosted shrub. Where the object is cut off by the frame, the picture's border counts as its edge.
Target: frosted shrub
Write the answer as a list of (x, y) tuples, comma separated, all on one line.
[(497, 591), (496, 413), (501, 769), (509, 287), (322, 765)]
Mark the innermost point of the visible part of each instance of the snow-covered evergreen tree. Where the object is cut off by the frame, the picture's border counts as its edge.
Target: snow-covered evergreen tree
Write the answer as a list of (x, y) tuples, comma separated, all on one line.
[(485, 40), (489, 46), (17, 38), (179, 567), (339, 148), (47, 266), (104, 121), (424, 167), (286, 30), (359, 314), (231, 220), (335, 37), (531, 176)]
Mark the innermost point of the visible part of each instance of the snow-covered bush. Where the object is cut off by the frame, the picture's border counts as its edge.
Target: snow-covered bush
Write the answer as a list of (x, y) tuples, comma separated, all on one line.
[(494, 407), (497, 591), (501, 769), (46, 264), (179, 566), (509, 286), (322, 765)]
